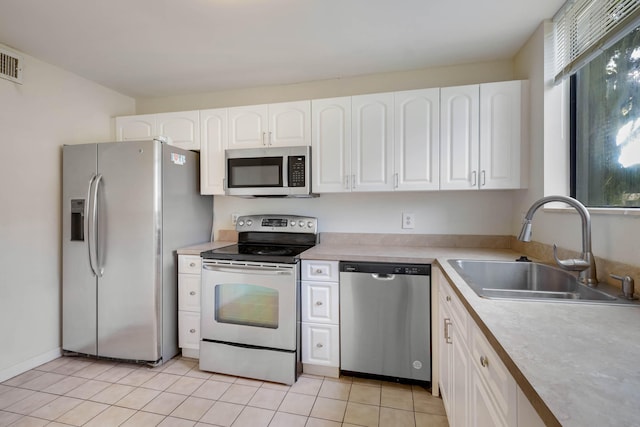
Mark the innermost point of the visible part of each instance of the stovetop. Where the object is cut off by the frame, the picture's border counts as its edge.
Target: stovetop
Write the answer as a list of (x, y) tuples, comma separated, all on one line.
[(269, 238)]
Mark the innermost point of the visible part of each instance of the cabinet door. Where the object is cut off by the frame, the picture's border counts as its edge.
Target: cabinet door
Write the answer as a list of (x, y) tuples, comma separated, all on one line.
[(213, 125), (136, 128), (460, 368), (182, 128), (289, 124), (320, 344), (445, 348), (248, 126), (372, 142), (331, 144), (527, 415), (500, 134), (417, 140), (459, 137), (482, 409)]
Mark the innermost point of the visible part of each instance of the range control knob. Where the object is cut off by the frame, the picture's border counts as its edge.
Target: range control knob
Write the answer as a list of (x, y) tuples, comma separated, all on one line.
[(240, 223), (301, 223), (293, 223), (309, 224), (249, 222)]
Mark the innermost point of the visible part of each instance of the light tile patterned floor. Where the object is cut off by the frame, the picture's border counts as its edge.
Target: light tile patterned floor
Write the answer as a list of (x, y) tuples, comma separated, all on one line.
[(72, 391)]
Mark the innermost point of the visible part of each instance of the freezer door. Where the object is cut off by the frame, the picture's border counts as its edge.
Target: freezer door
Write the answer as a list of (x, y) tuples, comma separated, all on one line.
[(78, 281), (129, 237)]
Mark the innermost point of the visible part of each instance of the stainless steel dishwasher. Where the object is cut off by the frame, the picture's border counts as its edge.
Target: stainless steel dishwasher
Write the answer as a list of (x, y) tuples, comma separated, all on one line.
[(385, 320)]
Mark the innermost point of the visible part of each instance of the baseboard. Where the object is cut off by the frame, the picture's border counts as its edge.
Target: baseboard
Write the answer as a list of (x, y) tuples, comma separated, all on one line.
[(22, 367)]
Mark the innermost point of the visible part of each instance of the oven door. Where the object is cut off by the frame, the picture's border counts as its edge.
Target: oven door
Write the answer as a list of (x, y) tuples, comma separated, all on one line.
[(250, 304)]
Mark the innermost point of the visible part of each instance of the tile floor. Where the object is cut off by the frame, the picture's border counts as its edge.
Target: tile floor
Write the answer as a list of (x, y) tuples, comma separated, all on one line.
[(73, 391)]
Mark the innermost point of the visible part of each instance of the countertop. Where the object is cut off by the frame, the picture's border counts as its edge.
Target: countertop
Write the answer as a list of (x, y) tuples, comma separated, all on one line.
[(577, 363), (197, 249)]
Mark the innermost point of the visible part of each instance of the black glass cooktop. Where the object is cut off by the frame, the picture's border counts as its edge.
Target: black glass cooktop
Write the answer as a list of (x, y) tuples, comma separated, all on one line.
[(285, 254)]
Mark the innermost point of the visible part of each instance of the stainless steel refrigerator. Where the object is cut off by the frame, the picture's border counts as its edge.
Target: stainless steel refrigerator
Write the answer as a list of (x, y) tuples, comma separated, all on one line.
[(127, 207)]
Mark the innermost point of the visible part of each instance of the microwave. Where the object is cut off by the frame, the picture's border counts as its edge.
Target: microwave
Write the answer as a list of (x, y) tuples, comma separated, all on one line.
[(268, 172)]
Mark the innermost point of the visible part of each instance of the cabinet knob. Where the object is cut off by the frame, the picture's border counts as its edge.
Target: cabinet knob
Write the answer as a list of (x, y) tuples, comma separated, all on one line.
[(318, 302), (484, 362), (192, 264), (192, 293), (318, 271), (319, 345), (448, 298), (193, 331)]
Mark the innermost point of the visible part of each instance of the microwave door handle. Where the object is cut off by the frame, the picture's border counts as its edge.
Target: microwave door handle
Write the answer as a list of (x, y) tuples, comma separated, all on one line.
[(285, 171)]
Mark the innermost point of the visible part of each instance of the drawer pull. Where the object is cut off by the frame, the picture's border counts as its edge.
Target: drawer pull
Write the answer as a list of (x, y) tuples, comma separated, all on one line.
[(193, 264), (484, 362), (448, 298), (193, 331), (318, 271), (192, 293), (319, 345), (318, 302), (447, 337)]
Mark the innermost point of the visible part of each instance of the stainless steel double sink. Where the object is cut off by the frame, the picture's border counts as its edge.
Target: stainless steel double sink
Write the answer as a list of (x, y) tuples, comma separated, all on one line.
[(531, 281)]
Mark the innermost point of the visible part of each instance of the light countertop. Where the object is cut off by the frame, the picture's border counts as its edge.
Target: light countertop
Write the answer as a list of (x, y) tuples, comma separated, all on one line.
[(197, 249), (577, 363)]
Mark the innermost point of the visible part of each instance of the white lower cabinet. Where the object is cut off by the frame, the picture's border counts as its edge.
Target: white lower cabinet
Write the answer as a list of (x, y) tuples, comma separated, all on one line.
[(189, 267), (320, 295), (476, 387)]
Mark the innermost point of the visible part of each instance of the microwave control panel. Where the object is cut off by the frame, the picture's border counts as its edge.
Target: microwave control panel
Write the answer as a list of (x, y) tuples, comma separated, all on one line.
[(297, 171)]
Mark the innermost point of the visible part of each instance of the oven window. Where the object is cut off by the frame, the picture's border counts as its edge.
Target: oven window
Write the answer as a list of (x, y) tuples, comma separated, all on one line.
[(248, 305), (255, 172)]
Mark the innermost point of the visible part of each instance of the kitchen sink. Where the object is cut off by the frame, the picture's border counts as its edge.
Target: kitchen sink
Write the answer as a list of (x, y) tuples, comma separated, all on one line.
[(531, 281)]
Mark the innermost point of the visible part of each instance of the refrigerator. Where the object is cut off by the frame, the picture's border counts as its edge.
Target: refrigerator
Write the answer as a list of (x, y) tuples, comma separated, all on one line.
[(126, 208)]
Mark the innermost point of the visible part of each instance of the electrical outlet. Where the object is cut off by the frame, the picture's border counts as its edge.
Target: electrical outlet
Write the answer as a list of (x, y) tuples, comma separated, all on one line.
[(234, 218), (408, 220)]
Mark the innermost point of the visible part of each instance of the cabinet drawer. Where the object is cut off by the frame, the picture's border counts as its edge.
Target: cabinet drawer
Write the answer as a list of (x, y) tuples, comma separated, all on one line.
[(188, 329), (189, 264), (325, 271), (189, 292), (320, 302), (494, 373), (320, 344)]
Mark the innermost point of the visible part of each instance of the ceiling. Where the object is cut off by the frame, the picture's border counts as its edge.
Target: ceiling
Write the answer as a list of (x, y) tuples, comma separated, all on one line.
[(153, 48)]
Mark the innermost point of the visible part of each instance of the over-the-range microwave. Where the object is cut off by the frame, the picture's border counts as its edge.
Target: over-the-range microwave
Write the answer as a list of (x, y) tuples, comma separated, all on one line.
[(268, 172)]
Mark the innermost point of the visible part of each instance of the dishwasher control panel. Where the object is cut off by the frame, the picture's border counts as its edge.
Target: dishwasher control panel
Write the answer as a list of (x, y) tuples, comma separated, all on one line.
[(385, 268)]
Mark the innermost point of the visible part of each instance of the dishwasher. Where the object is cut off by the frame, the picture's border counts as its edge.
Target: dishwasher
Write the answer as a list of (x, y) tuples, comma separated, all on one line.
[(385, 321)]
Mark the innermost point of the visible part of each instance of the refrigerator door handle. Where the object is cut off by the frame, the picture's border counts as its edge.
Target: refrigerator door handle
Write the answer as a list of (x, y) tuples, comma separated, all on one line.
[(93, 226)]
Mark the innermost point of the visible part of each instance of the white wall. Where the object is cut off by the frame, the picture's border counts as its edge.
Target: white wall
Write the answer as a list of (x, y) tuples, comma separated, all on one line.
[(445, 212), (51, 108), (614, 236)]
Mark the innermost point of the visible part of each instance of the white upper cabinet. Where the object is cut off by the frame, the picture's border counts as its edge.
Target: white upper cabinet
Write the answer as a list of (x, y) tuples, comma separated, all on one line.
[(502, 135), (417, 140), (372, 142), (459, 137), (331, 144), (213, 130), (182, 128), (135, 128), (483, 136), (279, 125)]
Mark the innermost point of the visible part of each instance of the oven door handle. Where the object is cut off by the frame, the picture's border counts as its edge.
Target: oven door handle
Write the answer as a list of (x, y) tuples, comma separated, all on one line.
[(244, 269)]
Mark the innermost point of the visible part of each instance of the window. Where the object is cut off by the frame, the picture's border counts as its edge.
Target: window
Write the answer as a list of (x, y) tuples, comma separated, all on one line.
[(605, 131)]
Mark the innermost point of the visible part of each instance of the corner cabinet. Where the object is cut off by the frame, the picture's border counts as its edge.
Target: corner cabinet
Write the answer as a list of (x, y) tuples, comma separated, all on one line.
[(189, 273), (476, 387), (320, 314), (279, 125), (483, 140), (182, 129)]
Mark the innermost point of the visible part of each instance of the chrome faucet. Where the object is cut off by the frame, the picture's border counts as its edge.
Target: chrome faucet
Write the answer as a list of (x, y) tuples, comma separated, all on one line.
[(586, 265)]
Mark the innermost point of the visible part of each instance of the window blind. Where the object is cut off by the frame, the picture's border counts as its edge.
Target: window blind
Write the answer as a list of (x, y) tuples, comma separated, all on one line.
[(583, 28)]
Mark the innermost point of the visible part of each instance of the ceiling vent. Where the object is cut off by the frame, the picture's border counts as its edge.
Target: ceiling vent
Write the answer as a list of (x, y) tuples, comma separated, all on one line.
[(10, 66)]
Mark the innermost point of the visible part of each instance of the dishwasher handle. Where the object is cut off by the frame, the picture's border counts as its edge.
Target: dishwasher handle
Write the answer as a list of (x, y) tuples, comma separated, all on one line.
[(383, 276)]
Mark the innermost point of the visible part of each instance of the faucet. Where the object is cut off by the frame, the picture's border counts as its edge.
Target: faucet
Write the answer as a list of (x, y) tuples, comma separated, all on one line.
[(586, 265)]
